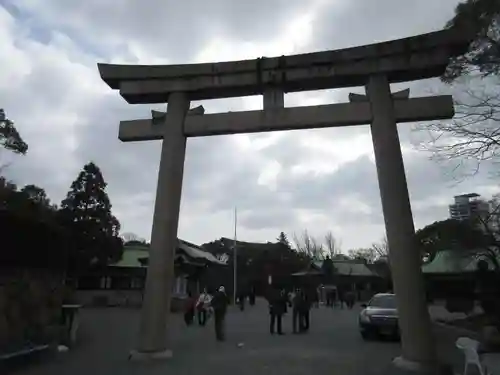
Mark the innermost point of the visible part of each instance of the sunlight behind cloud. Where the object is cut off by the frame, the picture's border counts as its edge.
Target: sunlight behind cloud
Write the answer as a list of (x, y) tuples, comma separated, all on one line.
[(294, 38), (327, 155), (269, 175)]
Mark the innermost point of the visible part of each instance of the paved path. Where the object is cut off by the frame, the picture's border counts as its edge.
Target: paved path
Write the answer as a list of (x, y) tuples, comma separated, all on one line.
[(333, 346)]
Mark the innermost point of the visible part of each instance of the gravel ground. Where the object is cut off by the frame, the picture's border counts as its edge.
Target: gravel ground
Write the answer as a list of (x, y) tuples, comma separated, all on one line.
[(333, 345)]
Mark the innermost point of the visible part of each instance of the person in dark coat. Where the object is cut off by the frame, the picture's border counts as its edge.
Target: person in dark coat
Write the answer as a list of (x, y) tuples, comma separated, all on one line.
[(334, 298), (350, 299), (341, 296), (241, 300), (277, 306), (307, 302), (219, 304), (251, 297), (329, 298)]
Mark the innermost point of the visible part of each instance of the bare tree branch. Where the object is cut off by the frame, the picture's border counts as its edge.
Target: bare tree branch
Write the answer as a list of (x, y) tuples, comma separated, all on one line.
[(302, 244), (366, 254), (473, 135), (308, 245), (381, 248), (317, 249), (332, 245)]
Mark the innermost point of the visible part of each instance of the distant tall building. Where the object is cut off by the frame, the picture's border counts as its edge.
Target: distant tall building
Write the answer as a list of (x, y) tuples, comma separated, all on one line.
[(469, 206)]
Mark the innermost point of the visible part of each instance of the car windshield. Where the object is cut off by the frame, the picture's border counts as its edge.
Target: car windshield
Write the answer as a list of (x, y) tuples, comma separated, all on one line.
[(385, 302)]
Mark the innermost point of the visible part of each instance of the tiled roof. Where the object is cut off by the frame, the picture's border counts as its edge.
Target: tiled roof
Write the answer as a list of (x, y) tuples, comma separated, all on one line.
[(348, 268), (132, 255), (196, 252), (449, 261), (353, 269)]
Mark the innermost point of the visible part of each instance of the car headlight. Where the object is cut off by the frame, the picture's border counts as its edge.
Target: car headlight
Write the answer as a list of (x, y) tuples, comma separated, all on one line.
[(364, 317)]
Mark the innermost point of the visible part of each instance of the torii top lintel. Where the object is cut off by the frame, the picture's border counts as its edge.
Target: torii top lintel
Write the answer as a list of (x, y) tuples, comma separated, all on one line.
[(418, 57)]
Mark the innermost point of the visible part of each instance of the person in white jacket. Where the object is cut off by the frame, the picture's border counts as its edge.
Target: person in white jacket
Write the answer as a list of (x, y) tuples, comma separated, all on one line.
[(202, 306)]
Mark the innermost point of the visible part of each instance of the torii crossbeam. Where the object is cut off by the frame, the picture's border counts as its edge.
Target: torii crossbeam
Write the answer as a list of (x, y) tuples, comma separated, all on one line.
[(373, 66)]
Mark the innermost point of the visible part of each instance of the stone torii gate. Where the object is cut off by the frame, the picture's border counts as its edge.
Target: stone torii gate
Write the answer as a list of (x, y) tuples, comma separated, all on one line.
[(374, 66)]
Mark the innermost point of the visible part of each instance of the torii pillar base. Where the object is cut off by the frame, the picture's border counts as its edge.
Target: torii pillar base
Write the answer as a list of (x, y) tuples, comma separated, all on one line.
[(147, 356), (416, 367)]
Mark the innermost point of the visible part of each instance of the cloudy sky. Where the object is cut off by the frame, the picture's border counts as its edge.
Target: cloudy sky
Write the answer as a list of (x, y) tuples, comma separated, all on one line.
[(317, 179)]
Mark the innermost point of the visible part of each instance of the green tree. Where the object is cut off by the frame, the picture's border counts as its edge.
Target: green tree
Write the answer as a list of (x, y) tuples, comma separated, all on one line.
[(38, 195), (86, 212), (10, 138), (481, 20), (31, 234)]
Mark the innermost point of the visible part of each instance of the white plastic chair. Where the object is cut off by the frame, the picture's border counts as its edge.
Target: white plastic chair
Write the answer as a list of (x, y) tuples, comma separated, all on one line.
[(469, 348)]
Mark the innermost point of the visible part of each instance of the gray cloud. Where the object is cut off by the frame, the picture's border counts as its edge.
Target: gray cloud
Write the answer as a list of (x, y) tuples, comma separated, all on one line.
[(170, 29), (53, 92), (360, 22)]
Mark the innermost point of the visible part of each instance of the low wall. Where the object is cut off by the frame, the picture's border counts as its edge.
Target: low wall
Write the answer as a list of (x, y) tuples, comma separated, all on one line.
[(132, 298), (446, 337), (30, 308), (125, 298), (439, 312)]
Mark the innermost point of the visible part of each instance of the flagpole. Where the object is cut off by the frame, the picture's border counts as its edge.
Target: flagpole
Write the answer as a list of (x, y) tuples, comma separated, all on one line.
[(235, 256)]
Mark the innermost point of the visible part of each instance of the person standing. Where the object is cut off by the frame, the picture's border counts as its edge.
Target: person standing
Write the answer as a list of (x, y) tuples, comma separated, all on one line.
[(219, 303), (241, 300), (189, 309), (308, 298), (297, 305), (277, 303), (350, 299), (334, 298), (285, 299), (251, 297), (341, 296), (202, 307)]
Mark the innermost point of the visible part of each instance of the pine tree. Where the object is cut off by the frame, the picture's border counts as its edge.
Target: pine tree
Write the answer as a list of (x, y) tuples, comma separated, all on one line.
[(10, 138), (283, 239), (86, 212)]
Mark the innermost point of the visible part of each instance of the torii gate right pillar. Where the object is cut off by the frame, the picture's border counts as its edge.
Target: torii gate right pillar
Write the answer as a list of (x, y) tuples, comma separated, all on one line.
[(418, 349)]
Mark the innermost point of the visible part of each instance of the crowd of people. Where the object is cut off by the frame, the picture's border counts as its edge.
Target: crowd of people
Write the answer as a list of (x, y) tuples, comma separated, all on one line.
[(300, 301), (336, 298), (206, 306)]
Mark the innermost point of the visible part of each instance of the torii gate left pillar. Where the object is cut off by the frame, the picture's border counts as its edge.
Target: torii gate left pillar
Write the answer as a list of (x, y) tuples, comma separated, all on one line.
[(159, 279)]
